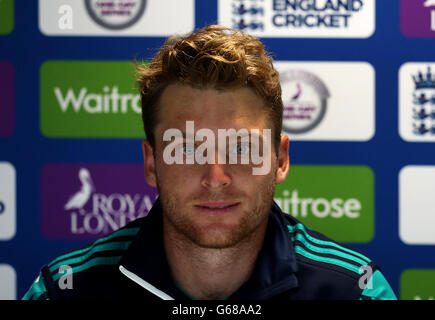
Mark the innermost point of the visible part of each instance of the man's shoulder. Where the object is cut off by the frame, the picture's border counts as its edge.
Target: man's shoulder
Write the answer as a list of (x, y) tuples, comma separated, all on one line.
[(314, 247), (95, 261), (95, 252), (330, 267)]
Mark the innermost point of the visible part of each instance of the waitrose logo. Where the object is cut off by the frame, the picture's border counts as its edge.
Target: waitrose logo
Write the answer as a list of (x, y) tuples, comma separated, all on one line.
[(89, 99), (417, 284), (109, 101), (335, 200), (6, 16)]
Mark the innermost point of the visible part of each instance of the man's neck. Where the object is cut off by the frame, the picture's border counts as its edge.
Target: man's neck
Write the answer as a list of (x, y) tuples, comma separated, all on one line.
[(206, 273)]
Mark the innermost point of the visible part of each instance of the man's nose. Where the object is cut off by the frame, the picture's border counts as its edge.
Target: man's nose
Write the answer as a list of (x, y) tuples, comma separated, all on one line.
[(216, 176)]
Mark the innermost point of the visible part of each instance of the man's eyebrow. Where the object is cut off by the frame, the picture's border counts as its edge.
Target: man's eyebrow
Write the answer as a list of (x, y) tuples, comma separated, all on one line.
[(257, 133), (183, 133)]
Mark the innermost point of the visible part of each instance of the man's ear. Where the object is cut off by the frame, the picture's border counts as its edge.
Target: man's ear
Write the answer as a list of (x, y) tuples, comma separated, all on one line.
[(149, 163), (283, 159)]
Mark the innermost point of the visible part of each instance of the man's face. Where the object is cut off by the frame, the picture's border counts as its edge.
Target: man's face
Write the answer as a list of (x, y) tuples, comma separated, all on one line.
[(214, 205)]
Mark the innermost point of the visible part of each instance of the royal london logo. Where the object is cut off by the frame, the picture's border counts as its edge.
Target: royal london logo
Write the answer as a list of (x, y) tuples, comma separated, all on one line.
[(115, 14), (423, 103), (305, 99), (99, 213)]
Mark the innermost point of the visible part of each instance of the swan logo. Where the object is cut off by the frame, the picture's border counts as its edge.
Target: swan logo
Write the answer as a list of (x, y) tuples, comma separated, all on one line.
[(98, 200), (79, 199), (7, 94), (417, 18), (305, 100)]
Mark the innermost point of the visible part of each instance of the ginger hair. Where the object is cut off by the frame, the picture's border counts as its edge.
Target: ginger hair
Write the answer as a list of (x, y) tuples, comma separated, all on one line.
[(212, 57)]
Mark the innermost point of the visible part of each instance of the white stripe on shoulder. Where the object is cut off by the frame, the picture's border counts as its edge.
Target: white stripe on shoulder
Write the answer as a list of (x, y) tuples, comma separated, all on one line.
[(145, 284)]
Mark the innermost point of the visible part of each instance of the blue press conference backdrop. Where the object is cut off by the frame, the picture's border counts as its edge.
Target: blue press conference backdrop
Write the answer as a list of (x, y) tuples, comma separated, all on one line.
[(365, 129)]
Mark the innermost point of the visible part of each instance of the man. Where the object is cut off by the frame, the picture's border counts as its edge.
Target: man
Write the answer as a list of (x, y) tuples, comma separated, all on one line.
[(212, 113)]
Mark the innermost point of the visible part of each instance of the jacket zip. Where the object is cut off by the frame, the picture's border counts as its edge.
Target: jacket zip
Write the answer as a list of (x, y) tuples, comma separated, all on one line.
[(144, 284)]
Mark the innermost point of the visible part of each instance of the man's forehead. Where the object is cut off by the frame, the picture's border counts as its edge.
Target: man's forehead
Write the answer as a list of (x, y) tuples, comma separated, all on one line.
[(211, 108), (187, 98)]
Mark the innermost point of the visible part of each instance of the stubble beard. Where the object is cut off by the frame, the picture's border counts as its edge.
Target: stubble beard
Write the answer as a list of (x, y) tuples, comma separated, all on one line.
[(252, 219)]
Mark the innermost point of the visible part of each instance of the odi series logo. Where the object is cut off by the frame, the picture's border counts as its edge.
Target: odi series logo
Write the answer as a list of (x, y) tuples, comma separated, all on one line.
[(90, 201), (305, 107), (116, 17), (116, 14), (300, 18), (320, 103)]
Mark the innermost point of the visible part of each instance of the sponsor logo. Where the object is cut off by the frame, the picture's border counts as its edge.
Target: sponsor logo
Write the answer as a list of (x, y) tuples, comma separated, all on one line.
[(300, 18), (89, 99), (417, 18), (335, 200), (116, 17), (304, 108), (8, 279), (6, 17), (417, 102), (417, 284), (90, 201), (7, 201), (416, 204), (7, 92), (116, 14), (321, 104)]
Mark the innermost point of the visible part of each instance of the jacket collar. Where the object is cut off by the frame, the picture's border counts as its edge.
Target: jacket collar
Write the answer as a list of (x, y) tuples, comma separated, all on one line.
[(273, 273)]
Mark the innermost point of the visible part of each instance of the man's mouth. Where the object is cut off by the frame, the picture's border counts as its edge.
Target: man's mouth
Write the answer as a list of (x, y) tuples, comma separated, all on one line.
[(217, 207)]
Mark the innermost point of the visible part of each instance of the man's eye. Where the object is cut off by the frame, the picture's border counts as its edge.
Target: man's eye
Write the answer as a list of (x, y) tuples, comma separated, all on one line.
[(242, 149), (188, 150)]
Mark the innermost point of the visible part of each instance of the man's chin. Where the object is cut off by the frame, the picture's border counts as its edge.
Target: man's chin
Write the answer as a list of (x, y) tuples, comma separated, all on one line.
[(217, 238), (214, 243)]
